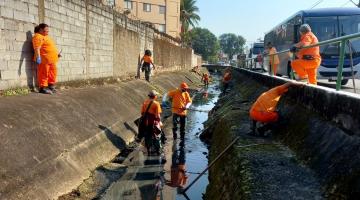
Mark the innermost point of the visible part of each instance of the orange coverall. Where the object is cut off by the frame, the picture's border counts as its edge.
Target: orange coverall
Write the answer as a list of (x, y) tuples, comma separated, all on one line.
[(307, 67), (263, 110), (275, 59), (49, 57)]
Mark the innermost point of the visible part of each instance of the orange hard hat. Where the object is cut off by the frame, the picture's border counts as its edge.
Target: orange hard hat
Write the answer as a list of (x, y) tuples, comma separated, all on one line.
[(183, 85)]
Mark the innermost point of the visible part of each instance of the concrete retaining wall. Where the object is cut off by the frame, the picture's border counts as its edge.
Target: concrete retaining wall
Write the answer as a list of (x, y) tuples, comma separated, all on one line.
[(95, 41), (51, 143), (322, 128)]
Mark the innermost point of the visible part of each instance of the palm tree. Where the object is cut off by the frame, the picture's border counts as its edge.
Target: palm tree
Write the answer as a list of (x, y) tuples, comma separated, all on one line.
[(188, 14)]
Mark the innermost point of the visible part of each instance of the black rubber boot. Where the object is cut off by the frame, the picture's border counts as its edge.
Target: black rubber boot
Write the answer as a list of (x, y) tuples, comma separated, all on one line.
[(45, 91)]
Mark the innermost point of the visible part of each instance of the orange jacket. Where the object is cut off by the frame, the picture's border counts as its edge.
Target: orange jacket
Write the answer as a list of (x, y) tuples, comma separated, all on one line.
[(147, 59), (178, 176), (274, 58), (227, 77), (309, 39), (179, 101), (153, 112), (205, 77), (48, 50), (268, 101)]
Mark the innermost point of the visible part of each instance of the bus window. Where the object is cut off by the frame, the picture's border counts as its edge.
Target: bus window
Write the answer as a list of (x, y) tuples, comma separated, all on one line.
[(350, 25), (325, 28)]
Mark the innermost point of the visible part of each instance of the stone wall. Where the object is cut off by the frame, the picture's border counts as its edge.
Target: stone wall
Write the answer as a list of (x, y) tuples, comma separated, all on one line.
[(95, 41)]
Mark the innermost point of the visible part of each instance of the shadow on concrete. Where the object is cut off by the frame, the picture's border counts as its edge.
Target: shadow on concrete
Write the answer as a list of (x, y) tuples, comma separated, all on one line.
[(128, 127), (117, 141), (27, 52)]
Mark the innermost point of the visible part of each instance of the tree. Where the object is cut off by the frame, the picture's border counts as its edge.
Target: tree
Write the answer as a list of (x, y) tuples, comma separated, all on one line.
[(231, 44), (188, 15), (204, 43)]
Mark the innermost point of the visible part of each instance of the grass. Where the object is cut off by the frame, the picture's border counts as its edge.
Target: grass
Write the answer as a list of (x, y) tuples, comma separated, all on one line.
[(15, 92)]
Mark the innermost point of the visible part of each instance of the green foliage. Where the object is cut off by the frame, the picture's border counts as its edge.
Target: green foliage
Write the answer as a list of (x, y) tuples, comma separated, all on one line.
[(204, 43), (15, 92), (231, 44), (188, 14)]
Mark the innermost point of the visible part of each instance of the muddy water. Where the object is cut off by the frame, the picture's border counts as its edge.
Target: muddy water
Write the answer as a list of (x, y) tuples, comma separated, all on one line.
[(139, 176), (193, 152)]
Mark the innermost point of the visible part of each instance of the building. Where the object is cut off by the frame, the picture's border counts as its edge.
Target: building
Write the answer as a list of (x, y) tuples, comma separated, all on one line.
[(163, 14)]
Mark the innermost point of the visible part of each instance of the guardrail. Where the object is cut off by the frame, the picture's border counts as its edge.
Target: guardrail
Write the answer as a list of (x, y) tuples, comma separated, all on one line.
[(344, 40)]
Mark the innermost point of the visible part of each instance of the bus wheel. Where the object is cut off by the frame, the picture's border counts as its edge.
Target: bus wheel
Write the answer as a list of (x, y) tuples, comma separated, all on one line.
[(344, 81)]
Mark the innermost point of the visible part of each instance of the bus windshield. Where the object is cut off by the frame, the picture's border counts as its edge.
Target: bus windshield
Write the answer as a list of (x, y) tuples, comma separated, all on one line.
[(350, 25), (257, 50), (326, 28)]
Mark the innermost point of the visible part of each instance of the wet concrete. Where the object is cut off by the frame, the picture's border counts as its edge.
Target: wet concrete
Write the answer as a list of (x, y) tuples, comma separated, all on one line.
[(138, 176)]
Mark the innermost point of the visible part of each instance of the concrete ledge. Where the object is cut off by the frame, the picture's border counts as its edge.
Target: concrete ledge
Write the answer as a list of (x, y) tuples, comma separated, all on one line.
[(323, 129), (51, 143)]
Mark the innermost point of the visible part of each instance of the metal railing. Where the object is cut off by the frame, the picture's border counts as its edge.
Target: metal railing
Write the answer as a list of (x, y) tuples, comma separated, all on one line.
[(344, 41)]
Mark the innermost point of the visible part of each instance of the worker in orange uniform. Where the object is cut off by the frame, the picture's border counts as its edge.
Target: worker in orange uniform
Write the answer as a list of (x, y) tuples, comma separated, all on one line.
[(309, 59), (181, 101), (205, 79), (226, 79), (146, 61), (47, 56), (150, 112), (274, 59), (264, 109)]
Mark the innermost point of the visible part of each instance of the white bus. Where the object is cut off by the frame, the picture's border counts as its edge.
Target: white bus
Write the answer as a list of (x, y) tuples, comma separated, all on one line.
[(326, 23)]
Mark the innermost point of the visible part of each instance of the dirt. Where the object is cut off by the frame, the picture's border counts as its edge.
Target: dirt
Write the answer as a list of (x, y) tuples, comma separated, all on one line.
[(266, 170)]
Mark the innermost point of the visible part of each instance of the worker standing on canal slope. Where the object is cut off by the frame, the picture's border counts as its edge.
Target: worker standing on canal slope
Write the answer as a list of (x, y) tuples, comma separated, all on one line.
[(147, 61), (264, 109), (226, 79), (309, 59), (150, 112), (181, 101)]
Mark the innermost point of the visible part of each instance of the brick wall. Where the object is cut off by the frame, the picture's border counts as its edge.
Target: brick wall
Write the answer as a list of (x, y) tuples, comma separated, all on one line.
[(95, 41)]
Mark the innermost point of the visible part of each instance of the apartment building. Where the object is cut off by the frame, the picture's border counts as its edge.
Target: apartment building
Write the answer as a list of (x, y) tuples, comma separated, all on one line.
[(163, 14)]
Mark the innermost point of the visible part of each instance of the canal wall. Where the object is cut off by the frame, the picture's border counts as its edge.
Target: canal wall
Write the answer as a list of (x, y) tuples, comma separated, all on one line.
[(95, 42), (321, 129), (51, 143)]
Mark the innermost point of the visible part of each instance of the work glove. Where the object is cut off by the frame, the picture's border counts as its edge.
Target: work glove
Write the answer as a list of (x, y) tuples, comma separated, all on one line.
[(38, 60), (293, 49)]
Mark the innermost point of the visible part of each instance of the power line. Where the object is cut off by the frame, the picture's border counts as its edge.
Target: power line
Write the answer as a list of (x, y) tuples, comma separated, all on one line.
[(353, 3), (316, 3), (345, 3)]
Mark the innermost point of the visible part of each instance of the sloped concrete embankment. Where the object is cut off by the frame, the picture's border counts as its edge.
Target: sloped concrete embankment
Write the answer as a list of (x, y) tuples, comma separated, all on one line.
[(321, 132), (49, 144)]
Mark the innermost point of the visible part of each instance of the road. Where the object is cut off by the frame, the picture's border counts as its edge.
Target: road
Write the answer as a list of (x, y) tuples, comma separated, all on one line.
[(348, 87)]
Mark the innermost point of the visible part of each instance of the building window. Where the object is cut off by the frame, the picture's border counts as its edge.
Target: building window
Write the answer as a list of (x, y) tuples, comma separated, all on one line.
[(162, 28), (147, 7), (128, 4), (162, 9)]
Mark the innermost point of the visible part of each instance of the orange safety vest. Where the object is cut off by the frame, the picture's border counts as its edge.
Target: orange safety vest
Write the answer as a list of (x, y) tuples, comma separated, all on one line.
[(179, 100)]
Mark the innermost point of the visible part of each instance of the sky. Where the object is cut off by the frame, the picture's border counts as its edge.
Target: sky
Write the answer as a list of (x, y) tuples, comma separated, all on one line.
[(252, 18)]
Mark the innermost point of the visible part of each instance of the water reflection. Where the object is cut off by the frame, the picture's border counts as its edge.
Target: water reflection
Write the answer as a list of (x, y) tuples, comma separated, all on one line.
[(178, 167)]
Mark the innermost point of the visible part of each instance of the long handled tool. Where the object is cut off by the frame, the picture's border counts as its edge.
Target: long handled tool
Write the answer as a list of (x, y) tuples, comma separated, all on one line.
[(211, 164)]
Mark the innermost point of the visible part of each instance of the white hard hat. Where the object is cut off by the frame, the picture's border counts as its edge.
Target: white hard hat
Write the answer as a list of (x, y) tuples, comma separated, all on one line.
[(305, 28)]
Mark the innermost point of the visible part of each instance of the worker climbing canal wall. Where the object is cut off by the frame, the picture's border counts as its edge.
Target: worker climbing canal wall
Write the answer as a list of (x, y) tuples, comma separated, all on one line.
[(315, 155)]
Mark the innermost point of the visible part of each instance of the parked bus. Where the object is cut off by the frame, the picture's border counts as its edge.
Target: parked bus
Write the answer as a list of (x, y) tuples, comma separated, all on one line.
[(326, 23), (256, 51)]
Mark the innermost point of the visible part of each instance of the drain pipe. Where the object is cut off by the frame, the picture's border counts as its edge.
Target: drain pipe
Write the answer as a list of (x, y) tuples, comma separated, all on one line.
[(211, 164)]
